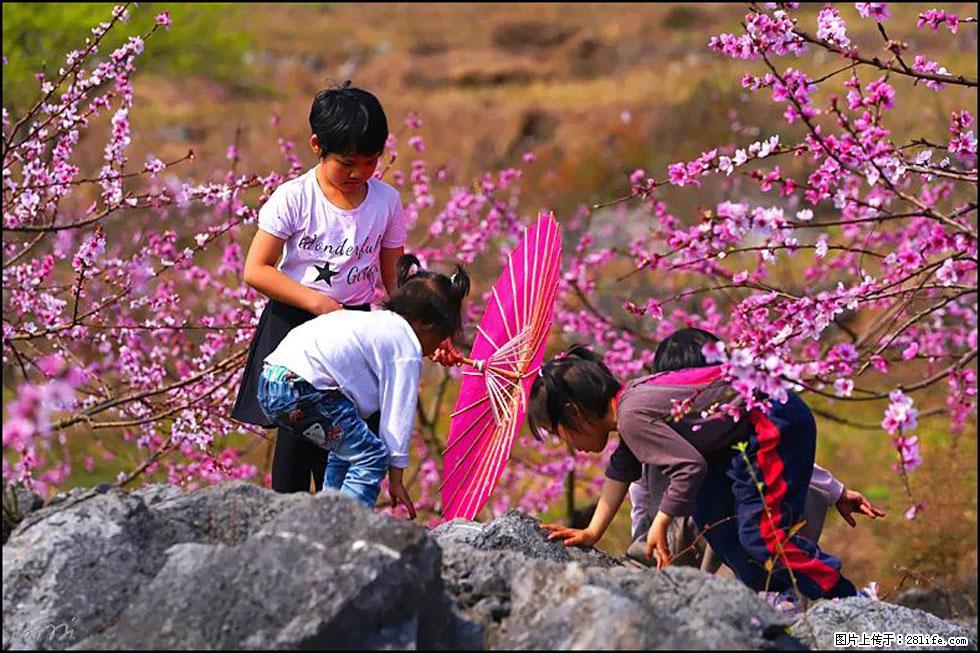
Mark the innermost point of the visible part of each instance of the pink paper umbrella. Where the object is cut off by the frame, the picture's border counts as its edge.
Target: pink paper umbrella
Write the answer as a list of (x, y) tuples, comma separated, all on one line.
[(506, 356)]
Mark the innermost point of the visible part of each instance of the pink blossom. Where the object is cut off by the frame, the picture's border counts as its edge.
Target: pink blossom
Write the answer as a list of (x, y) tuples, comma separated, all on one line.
[(844, 387), (877, 10), (831, 28), (154, 165), (900, 413), (163, 18)]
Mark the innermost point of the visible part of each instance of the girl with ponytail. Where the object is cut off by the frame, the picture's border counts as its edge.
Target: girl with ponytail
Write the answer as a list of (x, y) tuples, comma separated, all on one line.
[(330, 373)]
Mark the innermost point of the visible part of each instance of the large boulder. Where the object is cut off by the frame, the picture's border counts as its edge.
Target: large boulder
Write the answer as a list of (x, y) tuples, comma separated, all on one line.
[(828, 620), (480, 561), (572, 607), (514, 589), (519, 532), (238, 566), (231, 566), (70, 567)]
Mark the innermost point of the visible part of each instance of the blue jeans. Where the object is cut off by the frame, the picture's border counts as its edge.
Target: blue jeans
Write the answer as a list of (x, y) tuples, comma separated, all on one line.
[(358, 458)]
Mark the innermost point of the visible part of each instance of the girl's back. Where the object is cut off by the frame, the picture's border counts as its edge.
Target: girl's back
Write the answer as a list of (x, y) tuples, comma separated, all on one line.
[(658, 396), (352, 350)]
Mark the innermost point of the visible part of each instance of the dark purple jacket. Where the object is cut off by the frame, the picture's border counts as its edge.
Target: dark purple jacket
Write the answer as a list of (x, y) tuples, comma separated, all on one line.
[(648, 433)]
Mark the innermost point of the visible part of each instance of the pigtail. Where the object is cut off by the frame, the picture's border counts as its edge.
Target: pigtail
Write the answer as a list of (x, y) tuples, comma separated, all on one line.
[(581, 351), (459, 284), (404, 268)]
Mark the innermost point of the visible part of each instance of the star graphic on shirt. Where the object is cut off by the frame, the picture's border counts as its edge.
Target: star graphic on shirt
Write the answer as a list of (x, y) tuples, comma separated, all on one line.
[(324, 273)]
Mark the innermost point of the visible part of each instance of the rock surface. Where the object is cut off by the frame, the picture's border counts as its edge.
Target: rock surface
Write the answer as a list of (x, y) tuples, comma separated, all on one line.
[(17, 504), (238, 566), (862, 615)]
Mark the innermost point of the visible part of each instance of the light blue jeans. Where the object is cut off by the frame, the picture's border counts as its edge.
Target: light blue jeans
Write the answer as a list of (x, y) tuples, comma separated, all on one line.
[(358, 458)]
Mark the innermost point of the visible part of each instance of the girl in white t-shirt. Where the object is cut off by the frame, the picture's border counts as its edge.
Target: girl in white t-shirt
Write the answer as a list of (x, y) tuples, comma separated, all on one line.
[(324, 240), (331, 372)]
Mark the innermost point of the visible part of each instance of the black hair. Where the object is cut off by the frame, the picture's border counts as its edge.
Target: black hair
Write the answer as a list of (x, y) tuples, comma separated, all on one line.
[(431, 299), (578, 377), (682, 349), (348, 120)]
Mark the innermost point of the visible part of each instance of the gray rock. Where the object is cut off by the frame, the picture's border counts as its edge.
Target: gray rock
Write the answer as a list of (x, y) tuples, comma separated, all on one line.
[(75, 564), (515, 590), (572, 607), (18, 502), (323, 573), (517, 531), (478, 590), (480, 561), (861, 615), (228, 566), (938, 601), (238, 566)]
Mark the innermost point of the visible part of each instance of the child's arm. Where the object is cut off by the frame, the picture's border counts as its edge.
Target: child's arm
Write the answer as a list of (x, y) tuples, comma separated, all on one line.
[(389, 277), (399, 389), (261, 274), (613, 493), (824, 480), (846, 501)]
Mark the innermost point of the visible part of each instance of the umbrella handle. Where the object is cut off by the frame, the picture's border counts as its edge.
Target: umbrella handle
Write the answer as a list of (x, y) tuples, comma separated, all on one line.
[(480, 366)]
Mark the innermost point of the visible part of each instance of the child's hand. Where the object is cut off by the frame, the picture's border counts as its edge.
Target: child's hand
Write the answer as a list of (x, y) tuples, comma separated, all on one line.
[(323, 304), (657, 539), (447, 354), (571, 536), (400, 495), (397, 491), (851, 502)]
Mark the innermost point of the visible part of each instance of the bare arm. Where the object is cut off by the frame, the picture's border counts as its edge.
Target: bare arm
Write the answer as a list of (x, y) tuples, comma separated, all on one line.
[(389, 256), (261, 274), (613, 493)]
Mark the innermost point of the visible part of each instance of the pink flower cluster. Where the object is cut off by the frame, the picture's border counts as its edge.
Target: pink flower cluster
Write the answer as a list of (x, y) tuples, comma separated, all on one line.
[(831, 27), (933, 18), (764, 34)]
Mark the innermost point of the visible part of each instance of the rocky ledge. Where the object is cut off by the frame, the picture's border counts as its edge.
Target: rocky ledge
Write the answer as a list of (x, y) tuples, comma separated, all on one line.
[(238, 566)]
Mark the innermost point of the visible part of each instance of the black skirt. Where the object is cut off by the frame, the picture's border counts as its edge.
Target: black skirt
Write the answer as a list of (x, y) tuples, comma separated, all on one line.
[(277, 320)]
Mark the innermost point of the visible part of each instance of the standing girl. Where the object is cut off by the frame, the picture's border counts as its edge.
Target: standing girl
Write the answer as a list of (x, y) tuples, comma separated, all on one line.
[(324, 239)]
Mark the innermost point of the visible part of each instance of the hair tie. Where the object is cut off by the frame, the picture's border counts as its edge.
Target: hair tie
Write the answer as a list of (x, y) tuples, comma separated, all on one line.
[(561, 355)]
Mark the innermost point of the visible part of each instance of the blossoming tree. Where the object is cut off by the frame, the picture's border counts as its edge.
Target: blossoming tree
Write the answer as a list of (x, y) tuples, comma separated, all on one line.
[(850, 273), (846, 266)]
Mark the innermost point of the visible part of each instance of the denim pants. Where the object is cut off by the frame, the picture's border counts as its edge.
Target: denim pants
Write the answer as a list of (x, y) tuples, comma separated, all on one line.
[(358, 458)]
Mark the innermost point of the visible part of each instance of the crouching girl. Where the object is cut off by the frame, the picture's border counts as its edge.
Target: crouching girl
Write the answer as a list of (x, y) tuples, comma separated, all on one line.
[(331, 372)]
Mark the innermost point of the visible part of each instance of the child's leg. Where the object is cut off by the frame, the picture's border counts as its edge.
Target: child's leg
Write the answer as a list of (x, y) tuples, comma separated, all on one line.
[(336, 467), (781, 450), (291, 462), (359, 454), (335, 472), (715, 517), (276, 395)]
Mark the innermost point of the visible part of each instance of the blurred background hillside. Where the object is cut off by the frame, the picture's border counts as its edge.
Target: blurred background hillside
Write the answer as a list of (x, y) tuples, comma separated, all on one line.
[(596, 91)]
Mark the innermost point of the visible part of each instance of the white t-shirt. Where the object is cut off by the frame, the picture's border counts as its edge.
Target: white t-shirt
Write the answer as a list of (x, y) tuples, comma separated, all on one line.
[(374, 358), (329, 249)]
